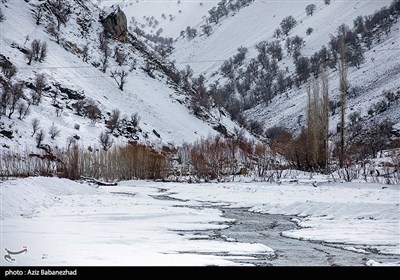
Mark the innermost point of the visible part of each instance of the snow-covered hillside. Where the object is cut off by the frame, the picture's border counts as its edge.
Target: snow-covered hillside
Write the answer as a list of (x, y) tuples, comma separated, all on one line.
[(379, 73), (258, 22), (164, 114), (170, 16)]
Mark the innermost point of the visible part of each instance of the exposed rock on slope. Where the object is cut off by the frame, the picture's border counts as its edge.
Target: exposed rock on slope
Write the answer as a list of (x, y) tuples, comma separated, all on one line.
[(116, 24)]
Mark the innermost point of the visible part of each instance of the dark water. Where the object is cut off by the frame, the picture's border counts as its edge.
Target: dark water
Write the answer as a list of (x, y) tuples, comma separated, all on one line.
[(266, 229)]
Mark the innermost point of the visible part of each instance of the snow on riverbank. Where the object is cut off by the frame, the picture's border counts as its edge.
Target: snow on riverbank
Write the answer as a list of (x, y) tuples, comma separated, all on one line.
[(68, 223), (366, 216)]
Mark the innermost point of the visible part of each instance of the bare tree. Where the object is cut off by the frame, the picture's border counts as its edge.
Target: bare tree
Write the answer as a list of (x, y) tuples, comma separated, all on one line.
[(135, 119), (53, 31), (113, 122), (5, 98), (149, 68), (39, 138), (29, 56), (317, 131), (104, 59), (207, 29), (132, 64), (287, 24), (105, 141), (35, 126), (85, 52), (275, 50), (16, 92), (39, 84), (23, 110), (93, 111), (343, 91), (27, 38), (54, 131), (120, 77), (191, 32), (43, 52), (37, 13), (310, 9), (61, 10), (35, 48), (103, 40), (325, 114), (38, 51), (9, 70)]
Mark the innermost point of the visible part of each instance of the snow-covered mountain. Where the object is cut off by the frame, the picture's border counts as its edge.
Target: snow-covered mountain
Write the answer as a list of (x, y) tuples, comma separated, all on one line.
[(258, 22), (165, 116)]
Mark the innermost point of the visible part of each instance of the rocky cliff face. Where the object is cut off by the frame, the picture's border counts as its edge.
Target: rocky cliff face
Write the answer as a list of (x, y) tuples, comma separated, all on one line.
[(116, 24)]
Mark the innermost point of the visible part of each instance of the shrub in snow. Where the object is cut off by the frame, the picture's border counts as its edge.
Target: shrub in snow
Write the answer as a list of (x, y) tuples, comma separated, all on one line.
[(90, 109), (135, 119), (105, 141), (207, 29), (114, 120), (8, 69), (191, 32)]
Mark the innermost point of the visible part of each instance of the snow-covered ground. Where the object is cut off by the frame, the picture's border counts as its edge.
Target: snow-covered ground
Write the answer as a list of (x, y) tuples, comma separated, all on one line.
[(68, 223)]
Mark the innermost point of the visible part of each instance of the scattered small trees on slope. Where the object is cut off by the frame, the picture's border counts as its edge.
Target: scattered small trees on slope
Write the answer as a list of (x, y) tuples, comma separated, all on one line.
[(38, 51)]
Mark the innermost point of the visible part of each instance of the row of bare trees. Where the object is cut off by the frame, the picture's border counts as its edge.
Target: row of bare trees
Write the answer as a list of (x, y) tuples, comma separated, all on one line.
[(133, 161), (214, 158), (218, 158)]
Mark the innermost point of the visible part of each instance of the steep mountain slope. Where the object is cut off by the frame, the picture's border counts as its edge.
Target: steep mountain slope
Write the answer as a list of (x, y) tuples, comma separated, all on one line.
[(258, 21), (171, 16), (163, 110), (380, 73)]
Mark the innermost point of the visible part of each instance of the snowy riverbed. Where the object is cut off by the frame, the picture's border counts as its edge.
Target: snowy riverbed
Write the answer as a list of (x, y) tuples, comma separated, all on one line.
[(68, 223)]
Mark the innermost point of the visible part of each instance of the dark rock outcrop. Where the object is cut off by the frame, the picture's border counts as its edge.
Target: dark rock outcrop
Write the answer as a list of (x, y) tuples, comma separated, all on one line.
[(116, 24)]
